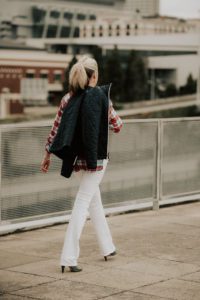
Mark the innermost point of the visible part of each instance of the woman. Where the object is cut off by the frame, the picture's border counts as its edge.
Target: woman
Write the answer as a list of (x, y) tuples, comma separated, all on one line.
[(79, 136)]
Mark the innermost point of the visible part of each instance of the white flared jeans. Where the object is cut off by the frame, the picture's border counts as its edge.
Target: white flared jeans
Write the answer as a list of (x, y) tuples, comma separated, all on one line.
[(88, 199)]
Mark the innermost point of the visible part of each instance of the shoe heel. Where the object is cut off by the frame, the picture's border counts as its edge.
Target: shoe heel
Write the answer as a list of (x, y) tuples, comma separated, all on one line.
[(111, 254), (62, 269)]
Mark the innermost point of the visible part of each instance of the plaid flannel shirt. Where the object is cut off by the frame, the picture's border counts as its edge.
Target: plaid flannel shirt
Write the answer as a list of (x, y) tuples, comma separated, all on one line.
[(115, 124)]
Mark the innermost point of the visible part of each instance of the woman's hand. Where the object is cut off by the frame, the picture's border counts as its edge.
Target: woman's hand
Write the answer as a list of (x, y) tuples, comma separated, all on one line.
[(45, 162)]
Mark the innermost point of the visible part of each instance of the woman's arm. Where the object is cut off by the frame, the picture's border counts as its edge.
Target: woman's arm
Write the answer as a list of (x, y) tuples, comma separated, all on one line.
[(56, 123), (115, 122), (46, 160)]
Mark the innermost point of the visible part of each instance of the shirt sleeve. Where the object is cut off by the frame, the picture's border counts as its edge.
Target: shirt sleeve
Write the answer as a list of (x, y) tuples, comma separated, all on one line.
[(56, 122), (115, 122)]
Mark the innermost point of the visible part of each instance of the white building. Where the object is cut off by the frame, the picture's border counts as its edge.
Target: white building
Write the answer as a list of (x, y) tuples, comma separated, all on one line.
[(173, 68), (21, 20)]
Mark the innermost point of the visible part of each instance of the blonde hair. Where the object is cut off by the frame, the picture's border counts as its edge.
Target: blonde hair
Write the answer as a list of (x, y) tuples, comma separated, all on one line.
[(81, 72)]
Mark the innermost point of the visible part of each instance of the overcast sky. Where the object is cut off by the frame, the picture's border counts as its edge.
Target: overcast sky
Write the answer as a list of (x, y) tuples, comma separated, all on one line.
[(181, 8)]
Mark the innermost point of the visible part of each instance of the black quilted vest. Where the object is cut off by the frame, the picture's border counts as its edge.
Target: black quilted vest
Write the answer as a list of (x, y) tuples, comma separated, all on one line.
[(83, 130)]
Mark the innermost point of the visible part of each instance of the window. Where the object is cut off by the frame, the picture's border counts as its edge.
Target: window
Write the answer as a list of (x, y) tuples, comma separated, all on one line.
[(81, 16), (65, 31), (30, 73), (54, 14), (44, 75), (37, 30), (37, 14), (57, 76), (92, 17), (68, 15), (76, 32), (51, 32)]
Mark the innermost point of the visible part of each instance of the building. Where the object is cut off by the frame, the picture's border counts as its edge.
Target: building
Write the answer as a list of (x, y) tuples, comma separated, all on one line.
[(75, 26), (20, 19), (44, 20), (171, 69), (35, 76), (67, 20)]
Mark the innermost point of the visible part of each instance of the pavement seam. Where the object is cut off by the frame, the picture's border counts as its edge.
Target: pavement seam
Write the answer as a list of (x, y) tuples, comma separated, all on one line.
[(113, 294), (180, 261), (149, 284), (188, 280), (76, 281), (132, 291), (80, 282), (141, 293), (48, 276), (124, 290), (191, 225), (28, 287), (19, 296), (193, 280), (7, 269), (26, 273), (59, 279)]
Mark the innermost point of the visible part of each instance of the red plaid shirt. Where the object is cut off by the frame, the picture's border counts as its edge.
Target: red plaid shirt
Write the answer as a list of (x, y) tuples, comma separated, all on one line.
[(115, 124)]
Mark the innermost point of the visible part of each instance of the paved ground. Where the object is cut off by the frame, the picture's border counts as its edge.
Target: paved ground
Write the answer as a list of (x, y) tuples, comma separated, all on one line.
[(158, 258)]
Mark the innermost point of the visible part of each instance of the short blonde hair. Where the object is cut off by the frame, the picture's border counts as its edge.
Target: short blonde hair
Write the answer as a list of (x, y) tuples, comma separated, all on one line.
[(81, 72)]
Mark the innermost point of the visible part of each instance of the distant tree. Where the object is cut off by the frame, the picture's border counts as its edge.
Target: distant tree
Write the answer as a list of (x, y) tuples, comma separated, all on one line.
[(171, 90), (97, 54), (190, 87), (135, 83), (66, 81), (113, 73)]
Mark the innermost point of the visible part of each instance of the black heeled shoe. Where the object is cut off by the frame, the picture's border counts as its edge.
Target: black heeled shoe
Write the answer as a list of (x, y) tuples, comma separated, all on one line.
[(111, 254), (72, 269)]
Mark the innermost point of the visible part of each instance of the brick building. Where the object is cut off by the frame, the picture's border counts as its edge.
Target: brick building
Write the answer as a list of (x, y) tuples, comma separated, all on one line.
[(33, 75)]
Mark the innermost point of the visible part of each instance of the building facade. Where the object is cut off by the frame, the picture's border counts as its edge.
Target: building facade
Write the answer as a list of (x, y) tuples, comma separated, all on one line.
[(20, 19), (34, 76)]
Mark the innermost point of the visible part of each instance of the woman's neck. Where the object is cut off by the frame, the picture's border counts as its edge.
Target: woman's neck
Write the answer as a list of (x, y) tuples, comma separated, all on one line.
[(92, 82)]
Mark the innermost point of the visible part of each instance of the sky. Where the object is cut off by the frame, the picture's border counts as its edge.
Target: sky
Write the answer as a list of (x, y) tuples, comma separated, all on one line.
[(180, 8)]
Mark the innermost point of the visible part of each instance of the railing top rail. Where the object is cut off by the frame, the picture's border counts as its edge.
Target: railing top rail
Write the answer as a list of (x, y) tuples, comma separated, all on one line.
[(178, 119), (27, 124), (49, 122)]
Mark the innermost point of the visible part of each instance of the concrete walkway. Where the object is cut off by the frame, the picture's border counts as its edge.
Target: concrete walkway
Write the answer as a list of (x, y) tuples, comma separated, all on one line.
[(158, 258)]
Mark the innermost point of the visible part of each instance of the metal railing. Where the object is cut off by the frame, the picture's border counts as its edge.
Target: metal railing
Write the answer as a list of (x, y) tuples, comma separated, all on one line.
[(152, 162)]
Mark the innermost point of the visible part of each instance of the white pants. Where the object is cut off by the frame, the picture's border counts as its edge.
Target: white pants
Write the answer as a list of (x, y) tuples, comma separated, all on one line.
[(87, 199)]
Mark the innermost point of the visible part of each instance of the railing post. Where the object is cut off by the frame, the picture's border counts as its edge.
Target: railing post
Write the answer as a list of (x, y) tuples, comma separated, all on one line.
[(0, 174), (156, 202)]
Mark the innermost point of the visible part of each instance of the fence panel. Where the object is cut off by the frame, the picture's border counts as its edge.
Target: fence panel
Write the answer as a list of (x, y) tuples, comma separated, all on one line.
[(181, 157), (149, 160), (131, 173), (26, 193)]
